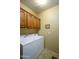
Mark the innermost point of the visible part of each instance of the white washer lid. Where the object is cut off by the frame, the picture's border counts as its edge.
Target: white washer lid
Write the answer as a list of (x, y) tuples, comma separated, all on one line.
[(30, 39)]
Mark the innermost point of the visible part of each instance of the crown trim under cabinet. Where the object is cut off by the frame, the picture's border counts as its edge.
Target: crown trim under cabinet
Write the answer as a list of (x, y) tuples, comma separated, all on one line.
[(27, 20)]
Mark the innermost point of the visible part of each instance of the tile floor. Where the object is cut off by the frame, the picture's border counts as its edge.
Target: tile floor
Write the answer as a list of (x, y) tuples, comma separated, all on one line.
[(47, 54)]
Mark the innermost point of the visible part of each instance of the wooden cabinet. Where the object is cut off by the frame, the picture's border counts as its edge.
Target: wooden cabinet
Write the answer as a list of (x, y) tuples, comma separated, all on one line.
[(23, 18), (38, 23), (28, 20), (34, 22)]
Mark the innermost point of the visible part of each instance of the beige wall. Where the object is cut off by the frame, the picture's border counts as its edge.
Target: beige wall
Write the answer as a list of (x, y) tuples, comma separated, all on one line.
[(50, 16), (25, 30)]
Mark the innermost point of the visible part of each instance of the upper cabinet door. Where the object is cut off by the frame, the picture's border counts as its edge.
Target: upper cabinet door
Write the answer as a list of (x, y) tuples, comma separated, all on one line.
[(22, 18), (34, 22), (30, 21), (37, 23)]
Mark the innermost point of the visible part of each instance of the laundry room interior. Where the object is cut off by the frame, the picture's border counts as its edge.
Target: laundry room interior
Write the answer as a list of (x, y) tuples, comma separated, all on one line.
[(39, 29)]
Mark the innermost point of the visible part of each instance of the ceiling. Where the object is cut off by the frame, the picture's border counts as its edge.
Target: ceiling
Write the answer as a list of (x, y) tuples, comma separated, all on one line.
[(39, 8)]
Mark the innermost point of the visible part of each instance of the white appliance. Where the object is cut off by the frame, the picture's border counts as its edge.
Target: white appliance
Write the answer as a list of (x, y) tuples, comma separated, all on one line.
[(31, 46)]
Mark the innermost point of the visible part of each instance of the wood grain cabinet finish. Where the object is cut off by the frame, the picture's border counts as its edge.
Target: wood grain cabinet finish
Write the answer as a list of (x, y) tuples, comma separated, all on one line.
[(38, 23), (34, 22), (28, 20), (23, 18)]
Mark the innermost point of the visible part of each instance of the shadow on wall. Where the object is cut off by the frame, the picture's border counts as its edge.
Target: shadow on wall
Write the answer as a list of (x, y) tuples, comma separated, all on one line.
[(27, 31)]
